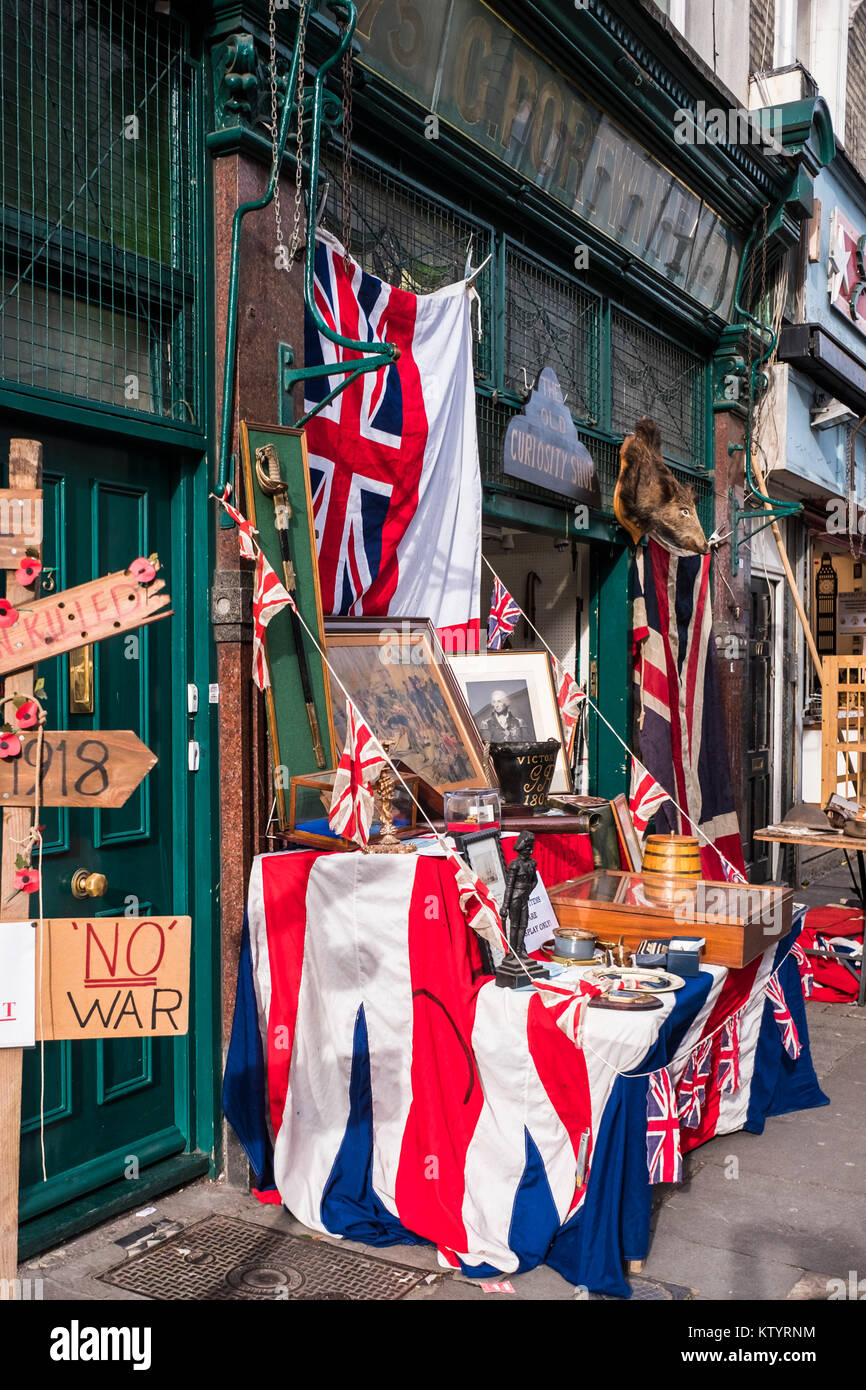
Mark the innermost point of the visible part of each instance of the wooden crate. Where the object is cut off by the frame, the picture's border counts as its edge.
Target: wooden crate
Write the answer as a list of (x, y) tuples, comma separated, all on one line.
[(843, 727), (739, 921)]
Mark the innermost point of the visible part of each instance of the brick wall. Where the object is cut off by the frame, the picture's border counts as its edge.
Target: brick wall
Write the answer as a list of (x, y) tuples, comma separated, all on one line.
[(855, 106), (762, 24)]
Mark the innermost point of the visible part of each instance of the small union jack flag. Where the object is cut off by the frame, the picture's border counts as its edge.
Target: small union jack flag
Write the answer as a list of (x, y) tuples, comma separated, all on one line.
[(504, 616), (351, 812), (782, 1014), (246, 531), (477, 904), (269, 598), (568, 697), (646, 796), (731, 874), (663, 1153), (806, 973), (692, 1090), (728, 1070)]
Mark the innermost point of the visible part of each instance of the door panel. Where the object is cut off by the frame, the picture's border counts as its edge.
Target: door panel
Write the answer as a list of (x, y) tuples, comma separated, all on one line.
[(108, 1103)]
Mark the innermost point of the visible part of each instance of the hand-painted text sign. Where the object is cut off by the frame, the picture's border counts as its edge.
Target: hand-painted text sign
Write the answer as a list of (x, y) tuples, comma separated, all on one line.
[(542, 447), (75, 617), (114, 977), (20, 524), (79, 768)]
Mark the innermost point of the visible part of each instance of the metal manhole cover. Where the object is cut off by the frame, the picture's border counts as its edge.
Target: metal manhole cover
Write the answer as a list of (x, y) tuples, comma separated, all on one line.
[(223, 1258), (649, 1290)]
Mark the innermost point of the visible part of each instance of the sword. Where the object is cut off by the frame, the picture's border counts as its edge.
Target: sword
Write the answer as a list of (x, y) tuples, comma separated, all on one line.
[(270, 481)]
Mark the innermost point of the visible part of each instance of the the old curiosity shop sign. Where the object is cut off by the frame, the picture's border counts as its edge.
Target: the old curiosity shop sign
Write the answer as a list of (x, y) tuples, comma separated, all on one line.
[(542, 447), (465, 66)]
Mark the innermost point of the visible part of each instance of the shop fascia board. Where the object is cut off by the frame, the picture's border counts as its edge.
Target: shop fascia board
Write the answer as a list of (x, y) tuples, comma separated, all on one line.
[(522, 513)]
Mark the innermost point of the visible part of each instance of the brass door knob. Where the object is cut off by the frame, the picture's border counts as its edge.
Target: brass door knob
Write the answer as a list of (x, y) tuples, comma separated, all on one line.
[(88, 885)]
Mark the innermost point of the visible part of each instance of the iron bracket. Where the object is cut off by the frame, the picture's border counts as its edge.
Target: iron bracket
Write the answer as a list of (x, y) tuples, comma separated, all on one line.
[(767, 515)]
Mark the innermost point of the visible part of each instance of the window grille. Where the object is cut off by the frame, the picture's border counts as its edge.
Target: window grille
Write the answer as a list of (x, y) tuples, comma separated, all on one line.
[(410, 239), (551, 322), (99, 200), (651, 376)]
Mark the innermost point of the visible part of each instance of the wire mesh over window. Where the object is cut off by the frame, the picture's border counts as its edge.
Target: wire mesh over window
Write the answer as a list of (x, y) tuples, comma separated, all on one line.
[(411, 240), (551, 322), (99, 261), (652, 376)]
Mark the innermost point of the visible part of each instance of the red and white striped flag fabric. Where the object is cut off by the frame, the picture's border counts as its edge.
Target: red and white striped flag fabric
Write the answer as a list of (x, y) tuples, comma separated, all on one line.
[(477, 904), (351, 812), (806, 972), (269, 599), (664, 1156), (646, 796), (246, 531), (782, 1014), (568, 697)]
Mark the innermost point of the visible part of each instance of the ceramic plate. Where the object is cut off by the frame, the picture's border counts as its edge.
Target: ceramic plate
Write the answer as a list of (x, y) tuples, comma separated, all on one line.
[(641, 981)]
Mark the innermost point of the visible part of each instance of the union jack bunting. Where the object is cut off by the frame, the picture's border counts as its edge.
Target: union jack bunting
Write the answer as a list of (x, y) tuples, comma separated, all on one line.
[(692, 1090), (246, 531), (269, 598), (476, 903), (805, 965), (568, 697), (731, 874), (782, 1014), (646, 796), (504, 616), (728, 1071), (362, 760), (664, 1157)]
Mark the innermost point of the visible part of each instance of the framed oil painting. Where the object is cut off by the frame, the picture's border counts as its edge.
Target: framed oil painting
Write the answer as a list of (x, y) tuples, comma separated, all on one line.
[(512, 699), (399, 678)]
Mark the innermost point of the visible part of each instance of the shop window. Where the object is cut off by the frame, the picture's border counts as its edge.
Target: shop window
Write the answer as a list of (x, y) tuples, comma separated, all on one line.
[(550, 321), (99, 254), (409, 239), (651, 375)]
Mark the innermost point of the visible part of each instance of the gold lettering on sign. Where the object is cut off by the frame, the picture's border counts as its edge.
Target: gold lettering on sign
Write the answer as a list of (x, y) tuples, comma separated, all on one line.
[(520, 97), (469, 75), (547, 133), (407, 54)]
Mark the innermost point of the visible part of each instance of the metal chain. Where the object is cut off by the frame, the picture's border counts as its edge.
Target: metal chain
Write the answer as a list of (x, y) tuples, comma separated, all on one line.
[(281, 261), (299, 190), (347, 156)]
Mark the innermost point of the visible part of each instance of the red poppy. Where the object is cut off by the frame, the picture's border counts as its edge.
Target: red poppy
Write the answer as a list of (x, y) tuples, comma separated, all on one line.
[(26, 881), (28, 714), (28, 571), (143, 570), (10, 746), (8, 614)]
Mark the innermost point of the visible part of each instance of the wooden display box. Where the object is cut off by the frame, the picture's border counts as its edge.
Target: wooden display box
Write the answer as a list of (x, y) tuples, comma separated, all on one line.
[(310, 800), (738, 921)]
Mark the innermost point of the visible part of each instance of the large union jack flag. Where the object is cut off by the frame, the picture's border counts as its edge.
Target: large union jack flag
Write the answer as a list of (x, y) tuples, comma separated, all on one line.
[(394, 458), (504, 616), (664, 1157)]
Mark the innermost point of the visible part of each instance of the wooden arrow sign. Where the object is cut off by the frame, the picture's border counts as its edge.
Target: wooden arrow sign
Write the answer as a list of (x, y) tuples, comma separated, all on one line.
[(74, 617), (79, 768)]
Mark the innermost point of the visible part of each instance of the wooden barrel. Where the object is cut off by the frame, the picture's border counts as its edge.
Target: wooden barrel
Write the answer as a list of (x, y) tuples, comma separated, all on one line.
[(673, 856)]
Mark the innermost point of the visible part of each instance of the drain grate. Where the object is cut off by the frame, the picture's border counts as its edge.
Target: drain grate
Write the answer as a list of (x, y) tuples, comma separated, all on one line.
[(223, 1258), (649, 1290)]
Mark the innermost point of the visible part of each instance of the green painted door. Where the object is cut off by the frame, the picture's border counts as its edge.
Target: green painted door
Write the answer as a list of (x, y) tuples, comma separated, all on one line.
[(112, 1108)]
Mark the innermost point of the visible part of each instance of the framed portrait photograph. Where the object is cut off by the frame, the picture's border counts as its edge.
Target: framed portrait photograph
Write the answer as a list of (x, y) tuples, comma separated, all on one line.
[(512, 699), (399, 678), (628, 837)]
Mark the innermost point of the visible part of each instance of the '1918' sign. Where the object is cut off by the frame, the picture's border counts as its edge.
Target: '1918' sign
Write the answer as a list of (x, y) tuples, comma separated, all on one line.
[(115, 977)]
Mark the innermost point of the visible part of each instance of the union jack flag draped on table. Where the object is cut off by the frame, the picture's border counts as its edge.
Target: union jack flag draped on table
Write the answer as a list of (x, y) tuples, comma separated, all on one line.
[(568, 697), (362, 760), (692, 1090), (269, 598), (664, 1157), (504, 616), (728, 1071), (782, 1015), (682, 738), (393, 460), (645, 798)]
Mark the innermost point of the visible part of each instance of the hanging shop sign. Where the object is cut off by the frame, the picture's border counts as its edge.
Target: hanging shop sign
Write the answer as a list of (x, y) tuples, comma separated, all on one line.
[(846, 269), (467, 67), (114, 977), (79, 768), (851, 613), (75, 617), (542, 447)]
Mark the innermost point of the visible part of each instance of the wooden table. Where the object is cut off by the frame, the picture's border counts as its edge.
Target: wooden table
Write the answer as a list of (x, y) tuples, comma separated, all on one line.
[(830, 839)]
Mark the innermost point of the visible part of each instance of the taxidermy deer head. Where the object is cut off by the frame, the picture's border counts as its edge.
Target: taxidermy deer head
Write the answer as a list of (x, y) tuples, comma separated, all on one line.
[(649, 500)]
